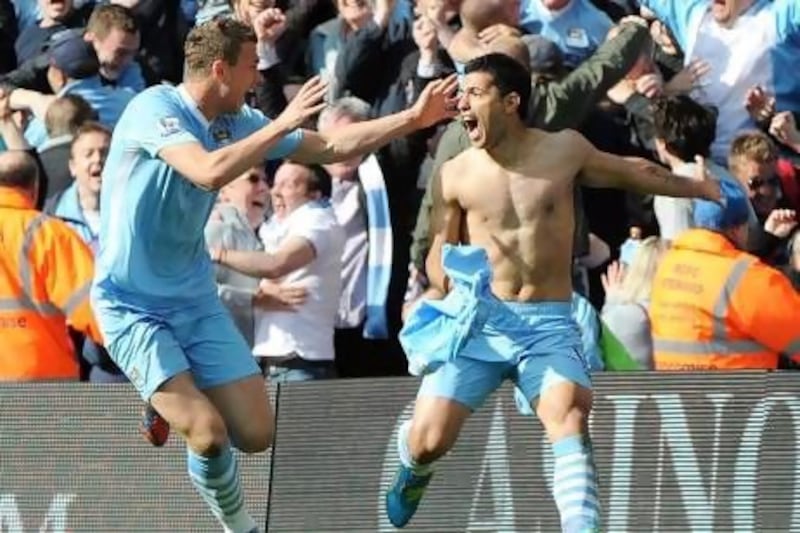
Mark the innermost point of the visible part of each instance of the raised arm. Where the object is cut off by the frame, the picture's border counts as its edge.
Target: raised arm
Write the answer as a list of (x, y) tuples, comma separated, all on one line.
[(33, 101), (568, 101), (10, 133), (604, 170), (212, 170), (436, 103), (447, 217), (215, 169)]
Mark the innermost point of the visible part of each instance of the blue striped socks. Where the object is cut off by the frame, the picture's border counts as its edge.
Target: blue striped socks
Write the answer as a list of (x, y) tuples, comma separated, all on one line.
[(405, 454), (575, 485), (217, 481)]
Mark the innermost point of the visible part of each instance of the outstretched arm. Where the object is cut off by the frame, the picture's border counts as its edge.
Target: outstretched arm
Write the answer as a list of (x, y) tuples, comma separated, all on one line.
[(445, 226), (603, 170), (166, 137), (295, 253), (435, 104)]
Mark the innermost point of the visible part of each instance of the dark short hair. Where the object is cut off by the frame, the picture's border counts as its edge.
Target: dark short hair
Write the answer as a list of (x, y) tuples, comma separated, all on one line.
[(18, 169), (319, 180), (508, 76), (687, 128)]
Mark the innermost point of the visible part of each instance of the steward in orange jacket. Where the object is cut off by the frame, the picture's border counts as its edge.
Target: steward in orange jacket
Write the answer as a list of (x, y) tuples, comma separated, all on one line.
[(45, 274), (715, 307)]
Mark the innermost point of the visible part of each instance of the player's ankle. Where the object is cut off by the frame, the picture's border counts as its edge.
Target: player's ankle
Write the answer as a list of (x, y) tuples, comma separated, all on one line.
[(408, 458)]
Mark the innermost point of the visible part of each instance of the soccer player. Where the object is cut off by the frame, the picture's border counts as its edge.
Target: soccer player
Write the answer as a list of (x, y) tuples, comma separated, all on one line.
[(507, 201), (154, 290)]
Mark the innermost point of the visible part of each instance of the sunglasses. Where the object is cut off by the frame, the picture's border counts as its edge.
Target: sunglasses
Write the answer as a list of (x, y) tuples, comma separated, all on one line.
[(757, 182), (256, 178), (357, 3)]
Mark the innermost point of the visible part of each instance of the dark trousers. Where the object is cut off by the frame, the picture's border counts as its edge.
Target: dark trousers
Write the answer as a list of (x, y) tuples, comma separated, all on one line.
[(360, 357)]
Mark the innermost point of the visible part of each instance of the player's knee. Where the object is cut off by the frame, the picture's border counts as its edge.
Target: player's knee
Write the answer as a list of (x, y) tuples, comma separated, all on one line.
[(562, 417), (428, 442), (206, 433), (256, 438)]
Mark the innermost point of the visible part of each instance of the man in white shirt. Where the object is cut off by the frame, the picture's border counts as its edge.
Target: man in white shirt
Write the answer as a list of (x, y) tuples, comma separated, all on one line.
[(234, 225), (304, 245)]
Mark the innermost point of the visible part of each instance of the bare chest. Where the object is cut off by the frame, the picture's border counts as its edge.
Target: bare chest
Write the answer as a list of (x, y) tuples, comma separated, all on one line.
[(496, 194)]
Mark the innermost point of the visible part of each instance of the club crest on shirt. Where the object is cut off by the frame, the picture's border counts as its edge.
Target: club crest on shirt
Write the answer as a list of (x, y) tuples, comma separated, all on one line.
[(577, 38), (221, 136), (169, 126)]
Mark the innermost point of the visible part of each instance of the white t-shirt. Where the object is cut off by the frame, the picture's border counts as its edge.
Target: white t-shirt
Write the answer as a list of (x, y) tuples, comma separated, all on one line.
[(308, 330), (740, 59), (675, 215)]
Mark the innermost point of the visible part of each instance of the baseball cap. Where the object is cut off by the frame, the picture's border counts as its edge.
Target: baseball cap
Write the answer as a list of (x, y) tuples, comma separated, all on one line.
[(546, 57), (734, 209), (70, 53)]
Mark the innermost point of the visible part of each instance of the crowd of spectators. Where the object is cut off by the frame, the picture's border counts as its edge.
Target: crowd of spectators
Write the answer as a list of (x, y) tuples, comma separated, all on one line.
[(318, 264)]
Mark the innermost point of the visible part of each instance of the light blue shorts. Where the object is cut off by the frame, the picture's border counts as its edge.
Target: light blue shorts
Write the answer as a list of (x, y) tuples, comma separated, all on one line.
[(535, 358), (468, 343), (152, 347)]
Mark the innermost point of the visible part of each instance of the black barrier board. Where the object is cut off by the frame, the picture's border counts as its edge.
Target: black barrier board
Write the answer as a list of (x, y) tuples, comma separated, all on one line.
[(71, 459), (675, 452)]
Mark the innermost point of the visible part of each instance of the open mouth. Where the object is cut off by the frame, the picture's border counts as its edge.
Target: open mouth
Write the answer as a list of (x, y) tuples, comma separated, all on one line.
[(719, 5), (472, 127), (259, 204)]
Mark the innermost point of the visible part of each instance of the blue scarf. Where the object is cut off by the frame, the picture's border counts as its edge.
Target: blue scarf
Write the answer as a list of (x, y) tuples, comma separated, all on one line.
[(379, 231)]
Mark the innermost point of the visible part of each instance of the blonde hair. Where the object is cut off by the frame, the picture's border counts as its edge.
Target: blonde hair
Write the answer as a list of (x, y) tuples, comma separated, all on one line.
[(751, 146), (638, 281), (66, 114), (108, 17)]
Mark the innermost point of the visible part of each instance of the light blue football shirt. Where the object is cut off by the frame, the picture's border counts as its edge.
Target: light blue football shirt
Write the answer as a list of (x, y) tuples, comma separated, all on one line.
[(152, 246), (109, 103), (577, 29)]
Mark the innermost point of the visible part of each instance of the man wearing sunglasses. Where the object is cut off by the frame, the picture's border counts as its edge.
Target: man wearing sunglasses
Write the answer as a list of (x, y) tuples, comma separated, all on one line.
[(753, 160)]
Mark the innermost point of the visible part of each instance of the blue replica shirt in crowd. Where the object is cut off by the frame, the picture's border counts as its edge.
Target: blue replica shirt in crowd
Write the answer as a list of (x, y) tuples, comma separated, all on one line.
[(152, 247), (109, 103), (578, 29), (27, 13)]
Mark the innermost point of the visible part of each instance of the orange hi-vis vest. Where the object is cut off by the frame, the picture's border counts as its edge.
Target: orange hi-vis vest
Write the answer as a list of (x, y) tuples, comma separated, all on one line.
[(45, 274), (714, 307)]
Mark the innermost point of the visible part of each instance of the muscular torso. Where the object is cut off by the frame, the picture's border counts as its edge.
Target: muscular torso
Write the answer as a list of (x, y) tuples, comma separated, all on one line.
[(521, 214)]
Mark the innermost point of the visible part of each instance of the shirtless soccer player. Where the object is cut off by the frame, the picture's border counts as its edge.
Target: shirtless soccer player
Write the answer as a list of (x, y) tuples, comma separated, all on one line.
[(507, 202)]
